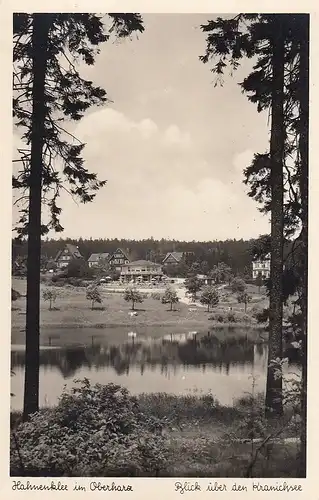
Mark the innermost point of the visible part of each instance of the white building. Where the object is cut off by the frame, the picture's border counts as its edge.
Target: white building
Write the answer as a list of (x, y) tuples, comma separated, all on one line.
[(262, 267), (140, 271)]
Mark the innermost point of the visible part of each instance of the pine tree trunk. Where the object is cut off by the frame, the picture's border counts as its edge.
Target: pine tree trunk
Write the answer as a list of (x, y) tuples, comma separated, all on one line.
[(304, 178), (39, 61), (277, 142)]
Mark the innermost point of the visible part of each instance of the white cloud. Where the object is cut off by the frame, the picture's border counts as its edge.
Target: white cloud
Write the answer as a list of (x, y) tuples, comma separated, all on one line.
[(147, 128), (155, 189), (174, 136)]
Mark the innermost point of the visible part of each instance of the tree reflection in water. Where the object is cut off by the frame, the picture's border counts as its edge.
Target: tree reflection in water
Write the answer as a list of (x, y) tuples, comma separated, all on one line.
[(205, 352)]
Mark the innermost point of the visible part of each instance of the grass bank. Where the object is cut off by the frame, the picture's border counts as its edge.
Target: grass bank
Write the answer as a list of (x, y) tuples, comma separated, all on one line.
[(72, 310)]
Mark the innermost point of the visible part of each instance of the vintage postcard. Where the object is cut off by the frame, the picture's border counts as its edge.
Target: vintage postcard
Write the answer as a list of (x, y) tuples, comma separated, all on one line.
[(159, 223)]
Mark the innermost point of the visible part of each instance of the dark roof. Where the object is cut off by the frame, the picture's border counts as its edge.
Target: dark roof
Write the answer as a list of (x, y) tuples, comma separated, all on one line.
[(176, 255), (142, 263), (74, 251), (261, 258), (126, 255), (94, 257)]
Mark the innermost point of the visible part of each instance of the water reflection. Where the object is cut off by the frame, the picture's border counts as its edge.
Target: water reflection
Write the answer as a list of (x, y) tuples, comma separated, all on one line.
[(176, 364), (151, 355)]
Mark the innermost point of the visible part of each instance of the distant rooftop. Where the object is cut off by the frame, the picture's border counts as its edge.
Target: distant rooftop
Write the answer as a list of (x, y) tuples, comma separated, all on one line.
[(94, 257)]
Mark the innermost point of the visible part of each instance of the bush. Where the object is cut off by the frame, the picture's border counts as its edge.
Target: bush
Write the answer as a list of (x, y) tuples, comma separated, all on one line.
[(262, 316), (156, 296), (93, 431), (220, 318), (246, 318), (78, 268), (175, 409), (231, 318), (15, 295), (76, 282)]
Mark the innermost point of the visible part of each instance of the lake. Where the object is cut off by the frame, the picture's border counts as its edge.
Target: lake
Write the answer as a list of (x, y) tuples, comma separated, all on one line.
[(173, 363)]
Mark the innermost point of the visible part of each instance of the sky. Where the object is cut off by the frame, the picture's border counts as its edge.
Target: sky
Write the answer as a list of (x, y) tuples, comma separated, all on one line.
[(171, 146)]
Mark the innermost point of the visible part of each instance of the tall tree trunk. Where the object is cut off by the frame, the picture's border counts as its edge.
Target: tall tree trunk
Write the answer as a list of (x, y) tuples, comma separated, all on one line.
[(39, 61), (304, 178), (277, 142)]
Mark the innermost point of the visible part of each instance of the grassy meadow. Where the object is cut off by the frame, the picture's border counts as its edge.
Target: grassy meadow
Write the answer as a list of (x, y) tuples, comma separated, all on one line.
[(72, 309)]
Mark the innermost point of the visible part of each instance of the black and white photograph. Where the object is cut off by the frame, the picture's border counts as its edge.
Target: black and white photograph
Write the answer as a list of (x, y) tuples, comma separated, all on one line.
[(159, 261)]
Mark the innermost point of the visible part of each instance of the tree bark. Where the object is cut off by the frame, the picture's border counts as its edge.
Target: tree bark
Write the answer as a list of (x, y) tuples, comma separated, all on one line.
[(277, 141), (304, 184), (39, 61)]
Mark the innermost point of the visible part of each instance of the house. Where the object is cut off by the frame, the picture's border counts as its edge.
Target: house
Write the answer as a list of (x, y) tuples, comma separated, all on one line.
[(69, 253), (262, 267), (204, 279), (118, 259), (141, 271), (96, 258), (173, 258)]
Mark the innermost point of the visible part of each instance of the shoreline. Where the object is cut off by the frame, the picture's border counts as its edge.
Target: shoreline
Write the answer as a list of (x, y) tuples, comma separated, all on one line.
[(171, 324)]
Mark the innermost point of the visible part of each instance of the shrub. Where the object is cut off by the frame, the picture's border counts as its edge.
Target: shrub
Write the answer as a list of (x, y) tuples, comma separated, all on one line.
[(219, 317), (15, 295), (238, 285), (231, 318), (78, 268), (262, 316), (93, 431), (156, 296), (175, 409), (58, 280), (246, 318), (76, 282)]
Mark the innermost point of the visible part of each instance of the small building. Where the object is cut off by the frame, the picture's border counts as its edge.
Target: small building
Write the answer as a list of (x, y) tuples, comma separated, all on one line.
[(261, 267), (204, 279), (96, 258), (173, 258), (67, 254), (118, 259), (141, 271)]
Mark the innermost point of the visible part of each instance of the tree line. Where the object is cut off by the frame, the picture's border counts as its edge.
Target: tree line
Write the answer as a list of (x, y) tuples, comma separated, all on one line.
[(237, 254)]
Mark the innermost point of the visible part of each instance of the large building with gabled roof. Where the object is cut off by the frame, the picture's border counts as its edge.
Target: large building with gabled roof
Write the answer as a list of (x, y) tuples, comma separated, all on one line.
[(68, 253)]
